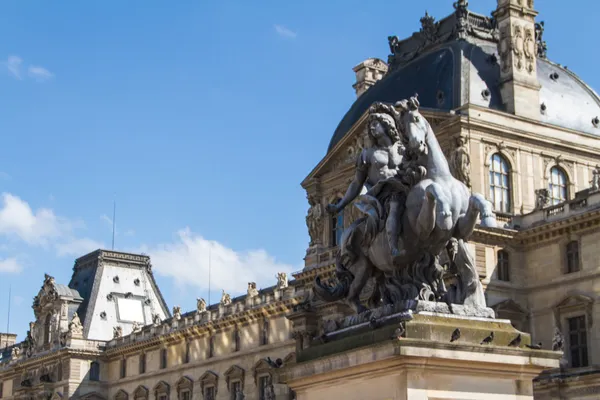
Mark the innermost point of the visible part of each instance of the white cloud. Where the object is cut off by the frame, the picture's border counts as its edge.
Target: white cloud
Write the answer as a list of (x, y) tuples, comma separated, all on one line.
[(13, 65), (18, 219), (285, 32), (186, 260), (77, 247), (10, 265), (42, 227), (40, 74)]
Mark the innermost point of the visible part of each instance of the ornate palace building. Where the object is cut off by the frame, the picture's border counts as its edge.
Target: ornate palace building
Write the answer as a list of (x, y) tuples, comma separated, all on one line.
[(516, 127)]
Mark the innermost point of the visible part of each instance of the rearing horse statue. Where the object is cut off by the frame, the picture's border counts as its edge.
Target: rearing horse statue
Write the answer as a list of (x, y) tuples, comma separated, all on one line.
[(438, 208)]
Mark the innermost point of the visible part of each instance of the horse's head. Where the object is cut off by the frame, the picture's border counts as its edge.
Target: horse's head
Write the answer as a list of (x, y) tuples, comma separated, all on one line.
[(414, 126)]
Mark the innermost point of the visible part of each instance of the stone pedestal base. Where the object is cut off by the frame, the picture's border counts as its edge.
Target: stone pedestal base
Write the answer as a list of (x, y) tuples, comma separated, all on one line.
[(416, 359)]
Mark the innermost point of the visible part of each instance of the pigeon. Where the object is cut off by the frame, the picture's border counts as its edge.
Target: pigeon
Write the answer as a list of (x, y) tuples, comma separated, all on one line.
[(373, 323), (516, 342), (455, 335), (275, 364), (535, 346), (488, 339)]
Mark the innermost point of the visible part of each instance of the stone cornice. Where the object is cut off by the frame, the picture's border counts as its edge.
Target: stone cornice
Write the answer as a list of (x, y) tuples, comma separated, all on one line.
[(137, 341)]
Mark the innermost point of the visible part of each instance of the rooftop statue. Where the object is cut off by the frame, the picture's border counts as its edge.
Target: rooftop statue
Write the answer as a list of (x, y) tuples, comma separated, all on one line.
[(412, 194)]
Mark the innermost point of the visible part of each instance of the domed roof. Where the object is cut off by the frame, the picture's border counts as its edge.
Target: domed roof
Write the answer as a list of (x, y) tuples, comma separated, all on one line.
[(451, 65)]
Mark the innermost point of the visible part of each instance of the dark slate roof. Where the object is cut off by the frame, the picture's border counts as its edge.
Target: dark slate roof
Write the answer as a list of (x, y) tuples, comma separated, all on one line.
[(457, 64)]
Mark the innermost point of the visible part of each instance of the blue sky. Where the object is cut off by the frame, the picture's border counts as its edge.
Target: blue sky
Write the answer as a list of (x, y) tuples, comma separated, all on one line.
[(200, 117)]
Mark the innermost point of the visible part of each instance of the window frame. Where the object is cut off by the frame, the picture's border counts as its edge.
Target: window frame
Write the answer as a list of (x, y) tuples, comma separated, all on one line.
[(503, 265), (94, 374), (563, 187), (583, 347), (572, 250), (494, 188), (164, 359)]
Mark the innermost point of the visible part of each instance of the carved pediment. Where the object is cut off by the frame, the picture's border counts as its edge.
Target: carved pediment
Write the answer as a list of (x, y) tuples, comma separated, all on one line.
[(56, 396), (234, 373), (209, 378), (121, 395), (290, 358), (140, 393), (509, 306), (161, 387), (260, 368), (574, 302), (184, 383)]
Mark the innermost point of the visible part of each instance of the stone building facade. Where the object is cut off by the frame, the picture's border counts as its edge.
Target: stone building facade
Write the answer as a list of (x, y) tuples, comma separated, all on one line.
[(517, 127)]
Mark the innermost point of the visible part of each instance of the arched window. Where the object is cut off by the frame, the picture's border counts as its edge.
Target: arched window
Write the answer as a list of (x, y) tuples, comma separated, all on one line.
[(337, 227), (500, 184), (557, 186), (94, 371), (503, 267), (47, 323)]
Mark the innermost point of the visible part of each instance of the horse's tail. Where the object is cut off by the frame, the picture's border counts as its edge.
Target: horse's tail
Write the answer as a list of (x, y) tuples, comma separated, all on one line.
[(336, 292)]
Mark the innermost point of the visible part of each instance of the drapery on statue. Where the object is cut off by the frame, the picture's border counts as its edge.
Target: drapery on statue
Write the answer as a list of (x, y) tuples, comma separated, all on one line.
[(460, 162), (314, 220), (412, 187)]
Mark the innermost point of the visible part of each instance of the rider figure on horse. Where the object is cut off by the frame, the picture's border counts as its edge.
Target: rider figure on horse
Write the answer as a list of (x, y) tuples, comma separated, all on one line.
[(379, 169)]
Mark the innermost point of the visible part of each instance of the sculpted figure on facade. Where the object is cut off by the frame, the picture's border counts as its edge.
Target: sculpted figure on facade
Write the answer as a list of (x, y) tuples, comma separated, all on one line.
[(225, 299), (200, 305), (542, 198), (460, 162), (252, 291), (314, 221), (75, 326), (136, 327), (176, 313), (417, 193), (282, 280), (156, 320), (595, 182), (117, 332)]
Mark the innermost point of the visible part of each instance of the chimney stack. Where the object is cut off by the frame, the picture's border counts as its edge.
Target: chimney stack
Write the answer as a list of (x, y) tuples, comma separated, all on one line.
[(7, 340), (517, 49), (368, 73)]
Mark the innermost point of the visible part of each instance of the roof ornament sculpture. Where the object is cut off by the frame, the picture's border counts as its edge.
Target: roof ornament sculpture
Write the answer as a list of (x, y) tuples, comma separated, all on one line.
[(542, 47), (462, 21), (413, 211)]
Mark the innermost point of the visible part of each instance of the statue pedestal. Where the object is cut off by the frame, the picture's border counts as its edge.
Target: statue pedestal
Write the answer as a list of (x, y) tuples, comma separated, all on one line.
[(415, 359)]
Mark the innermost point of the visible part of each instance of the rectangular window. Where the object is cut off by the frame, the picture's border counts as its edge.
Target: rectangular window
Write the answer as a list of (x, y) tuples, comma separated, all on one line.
[(163, 358), (263, 387), (1, 390), (578, 341), (142, 363), (503, 266), (235, 388), (123, 368), (573, 256), (186, 395), (209, 393), (162, 396), (264, 335)]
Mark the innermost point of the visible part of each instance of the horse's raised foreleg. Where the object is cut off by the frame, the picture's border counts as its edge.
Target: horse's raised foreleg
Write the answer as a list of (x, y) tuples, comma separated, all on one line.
[(478, 206)]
